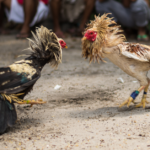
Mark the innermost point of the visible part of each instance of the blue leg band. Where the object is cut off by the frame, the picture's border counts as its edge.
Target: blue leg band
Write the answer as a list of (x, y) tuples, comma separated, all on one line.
[(145, 92), (134, 94)]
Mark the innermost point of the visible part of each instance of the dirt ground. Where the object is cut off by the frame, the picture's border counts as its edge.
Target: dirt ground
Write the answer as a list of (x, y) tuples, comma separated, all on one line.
[(83, 113)]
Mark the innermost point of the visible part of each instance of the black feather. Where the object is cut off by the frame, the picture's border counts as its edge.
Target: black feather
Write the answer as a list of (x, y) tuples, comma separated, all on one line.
[(46, 46), (8, 115)]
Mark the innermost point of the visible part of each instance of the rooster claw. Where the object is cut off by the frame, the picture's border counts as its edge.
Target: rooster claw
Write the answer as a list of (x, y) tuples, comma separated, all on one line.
[(143, 101), (38, 101), (32, 102), (127, 102)]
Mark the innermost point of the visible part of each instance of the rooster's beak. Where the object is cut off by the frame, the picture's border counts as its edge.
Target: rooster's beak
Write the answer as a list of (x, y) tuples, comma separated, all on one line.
[(66, 46), (84, 38)]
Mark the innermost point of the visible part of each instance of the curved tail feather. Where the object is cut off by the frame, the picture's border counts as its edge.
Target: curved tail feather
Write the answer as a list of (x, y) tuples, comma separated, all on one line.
[(8, 115)]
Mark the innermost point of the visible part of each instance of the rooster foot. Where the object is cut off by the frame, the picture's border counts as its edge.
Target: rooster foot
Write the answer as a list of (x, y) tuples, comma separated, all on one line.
[(131, 98), (38, 101), (143, 101), (127, 102), (32, 102)]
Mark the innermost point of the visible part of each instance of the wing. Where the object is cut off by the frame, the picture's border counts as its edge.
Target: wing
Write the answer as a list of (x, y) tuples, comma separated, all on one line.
[(15, 82), (135, 51)]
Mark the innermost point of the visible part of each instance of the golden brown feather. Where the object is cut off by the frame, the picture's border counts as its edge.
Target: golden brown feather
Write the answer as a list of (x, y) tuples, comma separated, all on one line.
[(108, 36)]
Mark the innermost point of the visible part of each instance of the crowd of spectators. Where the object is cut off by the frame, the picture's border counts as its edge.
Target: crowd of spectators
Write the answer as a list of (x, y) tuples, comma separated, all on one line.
[(130, 14)]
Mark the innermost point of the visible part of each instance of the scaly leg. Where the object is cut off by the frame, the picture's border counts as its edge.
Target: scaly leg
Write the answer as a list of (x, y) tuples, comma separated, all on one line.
[(143, 101), (132, 97), (38, 101)]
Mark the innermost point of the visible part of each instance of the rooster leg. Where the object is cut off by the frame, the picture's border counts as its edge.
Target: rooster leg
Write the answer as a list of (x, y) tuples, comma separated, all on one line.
[(32, 102), (143, 101), (132, 97)]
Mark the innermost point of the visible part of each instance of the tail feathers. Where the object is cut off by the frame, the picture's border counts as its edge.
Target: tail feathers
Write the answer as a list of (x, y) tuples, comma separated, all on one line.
[(8, 115)]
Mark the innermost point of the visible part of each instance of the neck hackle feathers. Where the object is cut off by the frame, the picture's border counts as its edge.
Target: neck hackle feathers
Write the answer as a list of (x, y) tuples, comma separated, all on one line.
[(108, 35), (46, 46)]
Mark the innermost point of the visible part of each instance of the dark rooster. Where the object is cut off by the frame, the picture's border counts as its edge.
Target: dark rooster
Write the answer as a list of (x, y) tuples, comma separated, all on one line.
[(17, 80)]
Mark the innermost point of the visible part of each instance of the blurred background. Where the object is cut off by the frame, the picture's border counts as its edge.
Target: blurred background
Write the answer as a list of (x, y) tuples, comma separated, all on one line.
[(69, 17), (83, 113)]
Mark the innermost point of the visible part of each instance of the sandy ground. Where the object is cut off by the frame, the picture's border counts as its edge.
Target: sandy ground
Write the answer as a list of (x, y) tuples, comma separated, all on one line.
[(83, 114)]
